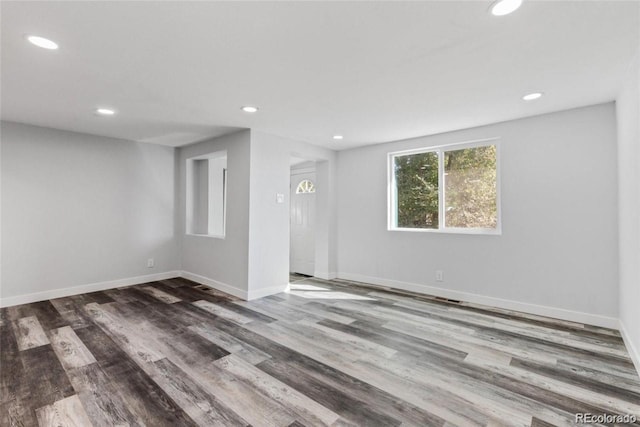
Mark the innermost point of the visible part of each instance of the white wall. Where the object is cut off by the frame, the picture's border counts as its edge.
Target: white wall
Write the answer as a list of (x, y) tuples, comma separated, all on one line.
[(253, 258), (557, 254), (223, 261), (628, 114), (198, 196), (216, 194), (326, 264), (84, 210), (81, 209), (269, 221)]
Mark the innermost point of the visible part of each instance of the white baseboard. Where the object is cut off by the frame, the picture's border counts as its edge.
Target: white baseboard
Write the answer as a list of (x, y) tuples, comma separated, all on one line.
[(326, 275), (82, 289), (540, 310), (634, 352), (272, 290), (558, 313), (240, 293)]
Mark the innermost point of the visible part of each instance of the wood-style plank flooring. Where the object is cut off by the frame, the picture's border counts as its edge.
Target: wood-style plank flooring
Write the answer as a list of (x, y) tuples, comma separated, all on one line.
[(175, 353)]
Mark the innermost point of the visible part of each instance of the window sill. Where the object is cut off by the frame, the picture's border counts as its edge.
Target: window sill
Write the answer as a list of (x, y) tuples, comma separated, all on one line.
[(213, 236), (473, 231)]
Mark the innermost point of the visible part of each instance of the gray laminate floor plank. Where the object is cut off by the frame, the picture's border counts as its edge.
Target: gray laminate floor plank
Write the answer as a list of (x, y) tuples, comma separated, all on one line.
[(467, 342), (71, 312), (405, 344), (16, 413), (104, 406), (336, 353), (338, 400), (145, 399), (449, 407), (454, 377), (29, 333), (308, 411), (551, 399), (616, 390), (47, 315), (222, 311), (204, 408), (318, 312), (147, 402), (513, 328), (315, 357), (69, 348), (241, 396), (583, 392), (602, 372), (68, 412), (96, 297), (169, 338), (42, 380), (11, 368), (277, 311), (160, 295), (354, 399), (231, 344)]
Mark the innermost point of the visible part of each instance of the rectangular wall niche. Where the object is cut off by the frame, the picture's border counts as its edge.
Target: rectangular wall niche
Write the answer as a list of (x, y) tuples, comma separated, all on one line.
[(207, 194)]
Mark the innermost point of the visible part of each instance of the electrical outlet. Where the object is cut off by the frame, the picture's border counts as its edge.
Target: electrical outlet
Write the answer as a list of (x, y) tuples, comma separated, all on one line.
[(150, 263), (439, 276)]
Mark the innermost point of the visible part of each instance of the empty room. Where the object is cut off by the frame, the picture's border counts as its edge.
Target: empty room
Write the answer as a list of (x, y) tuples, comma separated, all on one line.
[(320, 213)]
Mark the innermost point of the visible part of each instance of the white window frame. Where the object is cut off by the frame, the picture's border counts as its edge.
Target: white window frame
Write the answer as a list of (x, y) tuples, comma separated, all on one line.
[(392, 199)]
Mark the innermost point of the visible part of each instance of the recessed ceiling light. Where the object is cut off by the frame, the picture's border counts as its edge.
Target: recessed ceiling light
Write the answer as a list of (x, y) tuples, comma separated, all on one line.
[(249, 109), (532, 96), (42, 42), (505, 7), (338, 137), (105, 111)]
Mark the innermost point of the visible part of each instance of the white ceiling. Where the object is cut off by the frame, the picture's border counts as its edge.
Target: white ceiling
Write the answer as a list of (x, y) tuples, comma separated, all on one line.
[(178, 72)]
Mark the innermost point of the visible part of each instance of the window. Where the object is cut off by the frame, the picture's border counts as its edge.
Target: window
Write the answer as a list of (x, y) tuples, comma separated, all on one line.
[(453, 188), (207, 194), (305, 186)]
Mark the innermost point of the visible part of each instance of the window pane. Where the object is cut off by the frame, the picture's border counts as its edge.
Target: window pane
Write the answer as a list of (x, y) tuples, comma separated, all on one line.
[(305, 186), (470, 188), (417, 190)]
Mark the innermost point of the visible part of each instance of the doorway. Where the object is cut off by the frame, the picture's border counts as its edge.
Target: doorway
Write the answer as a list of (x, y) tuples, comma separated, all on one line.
[(302, 217)]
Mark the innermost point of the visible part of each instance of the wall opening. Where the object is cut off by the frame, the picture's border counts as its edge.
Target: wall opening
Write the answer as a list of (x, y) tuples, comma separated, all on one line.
[(207, 194)]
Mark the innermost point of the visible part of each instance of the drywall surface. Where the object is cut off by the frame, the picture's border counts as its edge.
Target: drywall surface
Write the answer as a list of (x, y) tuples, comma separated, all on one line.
[(557, 253), (628, 114), (269, 220), (81, 209), (223, 261)]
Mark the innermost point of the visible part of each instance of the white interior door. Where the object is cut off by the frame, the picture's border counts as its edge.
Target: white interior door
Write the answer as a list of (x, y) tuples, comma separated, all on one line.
[(303, 212)]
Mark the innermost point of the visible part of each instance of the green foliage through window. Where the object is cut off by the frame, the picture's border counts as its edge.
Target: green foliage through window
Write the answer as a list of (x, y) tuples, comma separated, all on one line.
[(470, 188), (467, 178), (417, 190)]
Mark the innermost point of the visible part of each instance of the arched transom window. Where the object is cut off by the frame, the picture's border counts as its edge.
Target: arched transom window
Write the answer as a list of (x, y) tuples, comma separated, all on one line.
[(305, 186)]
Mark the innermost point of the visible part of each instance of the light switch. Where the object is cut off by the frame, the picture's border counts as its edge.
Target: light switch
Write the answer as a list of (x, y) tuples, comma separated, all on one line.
[(279, 198)]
